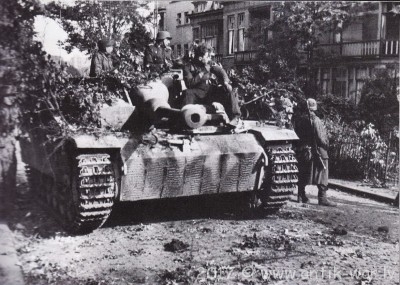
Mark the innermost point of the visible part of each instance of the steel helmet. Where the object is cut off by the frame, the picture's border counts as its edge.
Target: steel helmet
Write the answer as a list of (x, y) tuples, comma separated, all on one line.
[(162, 35), (104, 43)]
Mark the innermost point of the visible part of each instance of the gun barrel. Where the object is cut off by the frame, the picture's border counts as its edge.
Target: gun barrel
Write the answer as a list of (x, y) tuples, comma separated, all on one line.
[(154, 98), (194, 116)]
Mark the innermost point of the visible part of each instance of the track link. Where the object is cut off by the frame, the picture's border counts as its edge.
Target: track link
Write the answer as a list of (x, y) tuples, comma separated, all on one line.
[(94, 186), (82, 199), (281, 179)]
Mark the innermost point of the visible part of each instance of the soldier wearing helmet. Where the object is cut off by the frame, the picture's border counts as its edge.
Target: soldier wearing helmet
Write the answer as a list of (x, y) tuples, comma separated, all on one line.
[(312, 153), (102, 60), (158, 57)]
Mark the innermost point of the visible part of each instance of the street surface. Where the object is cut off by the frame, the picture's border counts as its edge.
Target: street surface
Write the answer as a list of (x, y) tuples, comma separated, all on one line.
[(196, 241)]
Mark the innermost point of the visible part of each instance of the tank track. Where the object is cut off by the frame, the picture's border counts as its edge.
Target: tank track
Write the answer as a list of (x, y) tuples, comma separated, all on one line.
[(281, 178), (95, 189), (82, 200)]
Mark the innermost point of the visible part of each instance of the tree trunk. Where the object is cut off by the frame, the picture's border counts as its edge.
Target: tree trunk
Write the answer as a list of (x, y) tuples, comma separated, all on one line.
[(8, 171)]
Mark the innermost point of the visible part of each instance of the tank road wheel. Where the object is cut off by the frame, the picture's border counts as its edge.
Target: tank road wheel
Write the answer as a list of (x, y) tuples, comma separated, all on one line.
[(90, 195), (280, 179)]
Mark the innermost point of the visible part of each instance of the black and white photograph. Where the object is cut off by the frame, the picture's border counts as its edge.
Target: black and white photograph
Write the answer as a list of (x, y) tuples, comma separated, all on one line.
[(199, 142)]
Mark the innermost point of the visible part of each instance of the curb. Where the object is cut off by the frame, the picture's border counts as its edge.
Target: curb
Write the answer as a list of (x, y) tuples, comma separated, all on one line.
[(10, 270), (381, 197)]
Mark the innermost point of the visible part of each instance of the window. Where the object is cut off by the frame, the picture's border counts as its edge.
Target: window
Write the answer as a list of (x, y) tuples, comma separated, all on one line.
[(361, 75), (209, 30), (212, 42), (241, 32), (161, 23), (209, 34), (179, 19), (231, 34), (340, 83), (258, 18), (352, 84), (196, 34), (325, 78), (187, 20), (200, 7), (216, 5), (337, 38), (186, 49), (391, 28), (178, 50)]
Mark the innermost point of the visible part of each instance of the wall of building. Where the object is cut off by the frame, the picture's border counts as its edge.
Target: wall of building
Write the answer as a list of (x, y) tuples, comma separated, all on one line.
[(234, 9), (181, 33), (363, 53), (343, 76), (346, 79)]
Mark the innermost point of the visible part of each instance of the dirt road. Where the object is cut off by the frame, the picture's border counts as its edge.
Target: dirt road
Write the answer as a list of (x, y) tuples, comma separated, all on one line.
[(196, 241)]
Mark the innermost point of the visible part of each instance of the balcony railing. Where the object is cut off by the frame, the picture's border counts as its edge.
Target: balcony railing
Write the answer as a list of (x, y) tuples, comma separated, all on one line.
[(376, 48), (243, 57), (391, 47)]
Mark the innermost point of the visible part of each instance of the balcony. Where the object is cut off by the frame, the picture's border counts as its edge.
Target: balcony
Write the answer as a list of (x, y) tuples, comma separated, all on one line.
[(364, 49), (245, 57)]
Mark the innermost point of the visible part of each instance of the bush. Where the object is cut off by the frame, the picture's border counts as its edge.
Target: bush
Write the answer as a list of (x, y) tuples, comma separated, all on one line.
[(379, 104), (265, 100)]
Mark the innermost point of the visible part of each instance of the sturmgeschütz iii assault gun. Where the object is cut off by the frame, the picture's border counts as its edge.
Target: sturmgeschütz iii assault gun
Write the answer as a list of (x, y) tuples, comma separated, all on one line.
[(158, 152)]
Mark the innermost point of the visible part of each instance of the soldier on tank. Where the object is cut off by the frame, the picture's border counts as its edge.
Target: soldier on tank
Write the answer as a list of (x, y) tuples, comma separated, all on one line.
[(158, 57), (312, 154), (208, 82), (102, 61)]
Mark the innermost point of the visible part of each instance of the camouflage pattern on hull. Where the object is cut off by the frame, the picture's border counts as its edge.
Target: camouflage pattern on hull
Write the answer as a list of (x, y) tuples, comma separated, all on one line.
[(208, 165)]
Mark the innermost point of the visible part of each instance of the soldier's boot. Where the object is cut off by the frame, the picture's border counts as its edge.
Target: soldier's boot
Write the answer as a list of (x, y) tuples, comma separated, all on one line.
[(322, 199), (301, 195)]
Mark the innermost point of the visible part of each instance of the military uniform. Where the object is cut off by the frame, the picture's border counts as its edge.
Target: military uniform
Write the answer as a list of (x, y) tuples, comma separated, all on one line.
[(312, 155), (101, 62), (157, 59), (312, 171), (203, 87)]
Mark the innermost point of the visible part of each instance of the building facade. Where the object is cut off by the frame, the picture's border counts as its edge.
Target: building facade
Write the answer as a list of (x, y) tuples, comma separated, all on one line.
[(239, 48), (178, 23), (369, 43), (366, 45)]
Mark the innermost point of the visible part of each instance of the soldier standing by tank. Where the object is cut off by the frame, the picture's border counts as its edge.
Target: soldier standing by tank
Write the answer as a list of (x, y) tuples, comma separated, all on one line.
[(102, 61), (199, 73), (158, 57), (312, 154)]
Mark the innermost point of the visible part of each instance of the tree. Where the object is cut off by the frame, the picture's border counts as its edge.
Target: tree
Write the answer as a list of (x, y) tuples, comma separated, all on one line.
[(77, 102), (86, 22), (284, 62), (18, 55), (297, 28), (379, 103)]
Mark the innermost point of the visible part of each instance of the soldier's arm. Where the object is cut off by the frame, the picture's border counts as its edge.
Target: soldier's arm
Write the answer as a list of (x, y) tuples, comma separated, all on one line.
[(221, 74), (222, 77), (148, 58), (321, 135), (190, 80), (168, 58)]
